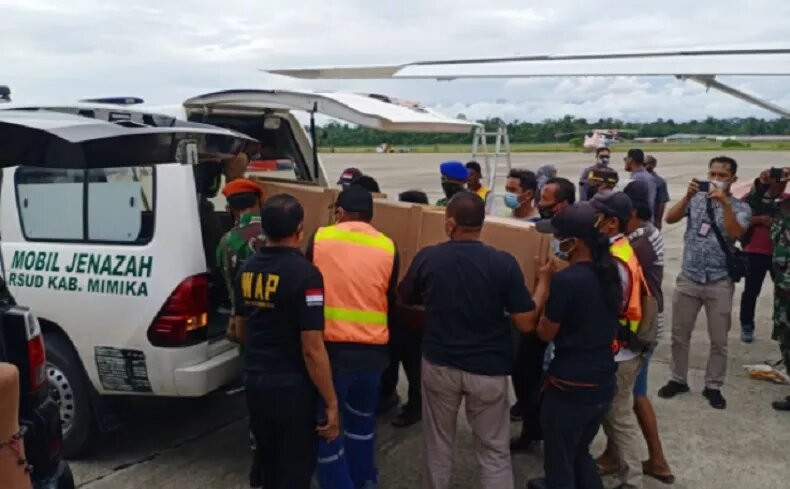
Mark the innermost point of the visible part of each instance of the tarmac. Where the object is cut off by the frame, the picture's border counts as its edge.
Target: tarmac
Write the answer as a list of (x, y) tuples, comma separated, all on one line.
[(202, 443)]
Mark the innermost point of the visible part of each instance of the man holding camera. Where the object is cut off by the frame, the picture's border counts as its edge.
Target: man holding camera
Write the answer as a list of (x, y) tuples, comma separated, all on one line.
[(768, 195), (714, 221)]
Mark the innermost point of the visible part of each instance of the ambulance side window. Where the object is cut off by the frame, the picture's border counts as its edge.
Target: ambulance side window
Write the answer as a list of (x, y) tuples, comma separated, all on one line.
[(50, 203), (112, 205), (120, 204)]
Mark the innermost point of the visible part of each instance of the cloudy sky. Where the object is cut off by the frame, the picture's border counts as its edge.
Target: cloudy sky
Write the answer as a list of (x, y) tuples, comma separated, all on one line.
[(168, 50)]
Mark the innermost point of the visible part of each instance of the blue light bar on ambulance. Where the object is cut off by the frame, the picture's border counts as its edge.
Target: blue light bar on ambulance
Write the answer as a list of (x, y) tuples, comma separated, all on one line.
[(114, 100)]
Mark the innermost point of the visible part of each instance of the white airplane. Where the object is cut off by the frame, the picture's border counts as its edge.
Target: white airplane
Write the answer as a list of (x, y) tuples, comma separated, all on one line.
[(702, 66)]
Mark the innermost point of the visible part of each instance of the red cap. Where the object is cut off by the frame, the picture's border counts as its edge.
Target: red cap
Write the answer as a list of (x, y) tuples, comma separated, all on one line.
[(242, 186)]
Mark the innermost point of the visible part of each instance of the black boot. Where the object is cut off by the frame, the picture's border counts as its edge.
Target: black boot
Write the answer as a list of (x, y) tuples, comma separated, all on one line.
[(255, 471)]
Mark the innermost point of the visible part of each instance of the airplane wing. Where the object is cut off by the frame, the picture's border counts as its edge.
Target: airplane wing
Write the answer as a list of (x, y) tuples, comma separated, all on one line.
[(701, 66)]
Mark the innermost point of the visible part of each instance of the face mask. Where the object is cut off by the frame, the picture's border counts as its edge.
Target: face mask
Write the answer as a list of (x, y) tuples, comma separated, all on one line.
[(547, 212), (604, 160), (511, 200), (720, 185), (451, 188), (556, 248)]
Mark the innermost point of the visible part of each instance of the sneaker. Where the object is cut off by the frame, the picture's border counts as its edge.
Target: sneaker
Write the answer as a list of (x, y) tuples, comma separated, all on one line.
[(715, 398), (783, 405), (515, 412), (672, 389), (747, 333)]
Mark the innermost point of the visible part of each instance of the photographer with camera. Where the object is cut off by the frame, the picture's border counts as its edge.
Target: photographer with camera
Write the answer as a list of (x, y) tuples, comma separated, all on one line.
[(711, 266), (768, 197)]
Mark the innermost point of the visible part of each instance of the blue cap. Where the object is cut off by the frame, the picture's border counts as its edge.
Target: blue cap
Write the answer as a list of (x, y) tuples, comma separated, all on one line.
[(454, 170)]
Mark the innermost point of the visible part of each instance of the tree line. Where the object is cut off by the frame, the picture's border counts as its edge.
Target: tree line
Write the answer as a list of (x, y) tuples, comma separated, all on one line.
[(554, 130)]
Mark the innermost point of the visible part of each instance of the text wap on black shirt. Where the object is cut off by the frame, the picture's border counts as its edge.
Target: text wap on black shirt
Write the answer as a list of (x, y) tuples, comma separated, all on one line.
[(467, 287), (281, 294), (583, 366)]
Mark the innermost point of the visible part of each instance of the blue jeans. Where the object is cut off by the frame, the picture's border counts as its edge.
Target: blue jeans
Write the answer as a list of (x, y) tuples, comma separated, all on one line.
[(348, 462)]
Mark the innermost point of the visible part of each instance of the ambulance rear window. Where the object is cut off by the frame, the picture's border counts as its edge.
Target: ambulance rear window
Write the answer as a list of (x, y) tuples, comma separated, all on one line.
[(106, 205)]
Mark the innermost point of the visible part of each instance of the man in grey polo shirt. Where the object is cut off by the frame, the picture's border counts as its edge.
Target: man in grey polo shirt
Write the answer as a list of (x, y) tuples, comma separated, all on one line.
[(704, 278), (635, 165)]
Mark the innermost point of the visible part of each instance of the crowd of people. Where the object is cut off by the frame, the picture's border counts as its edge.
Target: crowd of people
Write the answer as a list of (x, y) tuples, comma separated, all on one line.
[(324, 333)]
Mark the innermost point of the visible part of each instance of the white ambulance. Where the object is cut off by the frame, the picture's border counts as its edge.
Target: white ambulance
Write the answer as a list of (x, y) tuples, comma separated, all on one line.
[(118, 260)]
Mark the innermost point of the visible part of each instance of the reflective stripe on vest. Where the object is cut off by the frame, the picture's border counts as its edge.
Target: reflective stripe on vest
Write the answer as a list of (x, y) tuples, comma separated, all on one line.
[(356, 262), (632, 315)]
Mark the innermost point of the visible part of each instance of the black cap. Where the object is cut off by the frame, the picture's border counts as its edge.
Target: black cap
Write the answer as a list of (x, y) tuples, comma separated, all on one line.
[(637, 155), (348, 176), (575, 221), (613, 204), (355, 199), (638, 192)]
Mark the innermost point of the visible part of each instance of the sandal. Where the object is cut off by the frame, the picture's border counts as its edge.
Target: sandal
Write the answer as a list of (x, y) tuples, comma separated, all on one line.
[(665, 478)]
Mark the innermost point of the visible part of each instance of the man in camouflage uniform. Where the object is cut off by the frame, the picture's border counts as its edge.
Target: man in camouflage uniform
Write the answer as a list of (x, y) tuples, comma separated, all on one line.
[(769, 191), (244, 198), (244, 203)]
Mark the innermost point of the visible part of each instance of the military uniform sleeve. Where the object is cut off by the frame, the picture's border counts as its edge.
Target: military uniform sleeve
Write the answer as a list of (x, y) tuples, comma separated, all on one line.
[(310, 301)]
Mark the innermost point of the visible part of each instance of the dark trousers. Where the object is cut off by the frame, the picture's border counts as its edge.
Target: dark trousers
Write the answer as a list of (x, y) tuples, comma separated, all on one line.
[(759, 266), (283, 421), (405, 348), (527, 383), (569, 428)]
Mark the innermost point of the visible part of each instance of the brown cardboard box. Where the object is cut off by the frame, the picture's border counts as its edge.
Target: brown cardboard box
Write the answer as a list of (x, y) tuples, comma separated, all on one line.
[(521, 240), (317, 203), (401, 222), (412, 226)]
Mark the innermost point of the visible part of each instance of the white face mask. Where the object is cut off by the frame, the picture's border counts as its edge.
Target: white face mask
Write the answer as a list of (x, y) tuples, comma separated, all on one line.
[(721, 185)]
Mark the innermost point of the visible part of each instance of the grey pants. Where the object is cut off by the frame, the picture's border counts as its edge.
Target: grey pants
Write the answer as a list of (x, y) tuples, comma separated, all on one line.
[(621, 426), (486, 402), (689, 297)]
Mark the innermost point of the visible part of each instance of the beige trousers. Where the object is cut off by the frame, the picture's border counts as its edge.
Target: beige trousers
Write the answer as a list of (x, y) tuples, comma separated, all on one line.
[(622, 428), (486, 401), (689, 297)]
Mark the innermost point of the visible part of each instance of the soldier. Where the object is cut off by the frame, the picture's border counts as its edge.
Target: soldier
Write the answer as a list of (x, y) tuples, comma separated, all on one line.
[(768, 192), (244, 203)]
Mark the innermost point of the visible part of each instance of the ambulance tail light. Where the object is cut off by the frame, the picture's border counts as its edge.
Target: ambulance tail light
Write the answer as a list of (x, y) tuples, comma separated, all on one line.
[(36, 353), (183, 319)]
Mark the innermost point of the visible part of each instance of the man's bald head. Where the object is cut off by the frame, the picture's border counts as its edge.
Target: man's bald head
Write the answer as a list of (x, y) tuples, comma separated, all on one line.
[(468, 210)]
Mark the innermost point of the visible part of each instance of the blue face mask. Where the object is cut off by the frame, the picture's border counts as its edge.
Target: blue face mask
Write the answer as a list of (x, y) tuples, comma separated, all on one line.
[(556, 249), (511, 200)]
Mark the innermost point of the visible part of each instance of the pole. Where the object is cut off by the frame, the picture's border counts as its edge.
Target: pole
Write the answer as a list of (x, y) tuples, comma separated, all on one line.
[(315, 141)]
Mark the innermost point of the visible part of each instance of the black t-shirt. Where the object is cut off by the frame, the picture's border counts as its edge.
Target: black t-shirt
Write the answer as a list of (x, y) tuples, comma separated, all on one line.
[(281, 294), (466, 288), (583, 364)]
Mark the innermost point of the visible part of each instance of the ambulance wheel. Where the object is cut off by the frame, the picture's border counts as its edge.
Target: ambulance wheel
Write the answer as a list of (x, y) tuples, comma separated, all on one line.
[(69, 388)]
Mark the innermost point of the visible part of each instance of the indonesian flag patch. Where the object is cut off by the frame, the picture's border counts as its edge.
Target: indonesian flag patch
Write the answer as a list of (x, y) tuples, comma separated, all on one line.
[(314, 297)]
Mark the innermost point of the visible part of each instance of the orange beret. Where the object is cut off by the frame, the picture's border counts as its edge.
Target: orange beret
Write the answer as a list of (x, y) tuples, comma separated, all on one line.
[(242, 186)]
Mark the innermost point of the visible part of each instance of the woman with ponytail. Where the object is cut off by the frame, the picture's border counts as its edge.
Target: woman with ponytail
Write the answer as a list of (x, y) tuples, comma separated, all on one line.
[(581, 318)]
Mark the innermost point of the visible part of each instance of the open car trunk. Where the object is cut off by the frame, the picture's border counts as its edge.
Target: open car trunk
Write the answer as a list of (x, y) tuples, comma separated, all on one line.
[(262, 114)]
